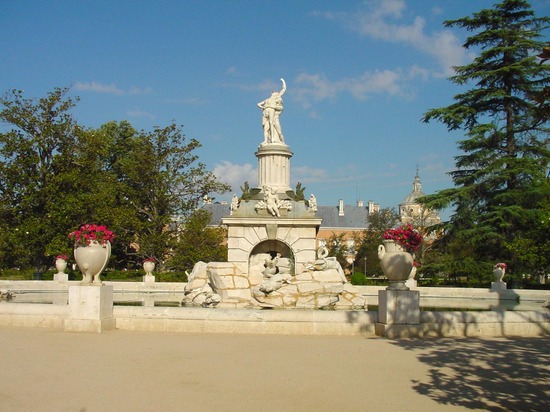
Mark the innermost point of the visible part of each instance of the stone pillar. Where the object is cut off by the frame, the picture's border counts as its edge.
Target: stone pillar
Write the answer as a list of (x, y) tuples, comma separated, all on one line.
[(498, 286), (90, 309), (148, 279), (61, 277), (398, 313), (274, 166)]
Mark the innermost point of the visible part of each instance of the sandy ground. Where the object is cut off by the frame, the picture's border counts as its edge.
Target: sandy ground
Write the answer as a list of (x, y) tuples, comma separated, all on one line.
[(50, 370)]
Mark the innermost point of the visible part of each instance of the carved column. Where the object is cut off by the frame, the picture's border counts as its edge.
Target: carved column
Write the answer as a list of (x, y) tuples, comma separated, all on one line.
[(274, 166)]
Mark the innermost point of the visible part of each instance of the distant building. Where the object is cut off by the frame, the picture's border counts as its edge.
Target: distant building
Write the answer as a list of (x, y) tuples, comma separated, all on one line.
[(413, 212), (348, 219)]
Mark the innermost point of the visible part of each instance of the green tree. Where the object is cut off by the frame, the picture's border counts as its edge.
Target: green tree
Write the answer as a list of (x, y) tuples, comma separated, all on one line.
[(56, 176), (501, 182), (163, 181), (337, 247), (33, 175), (198, 242), (367, 251)]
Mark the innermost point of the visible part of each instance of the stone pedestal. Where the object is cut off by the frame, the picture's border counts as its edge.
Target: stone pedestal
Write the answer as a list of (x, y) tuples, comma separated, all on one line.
[(149, 279), (90, 309), (61, 277), (274, 166), (498, 286), (398, 313)]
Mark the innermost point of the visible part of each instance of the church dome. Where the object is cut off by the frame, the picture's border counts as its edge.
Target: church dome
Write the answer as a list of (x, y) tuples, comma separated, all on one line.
[(416, 193)]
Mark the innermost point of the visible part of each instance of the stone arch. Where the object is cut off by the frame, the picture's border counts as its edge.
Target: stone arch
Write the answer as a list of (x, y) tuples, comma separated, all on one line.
[(270, 249)]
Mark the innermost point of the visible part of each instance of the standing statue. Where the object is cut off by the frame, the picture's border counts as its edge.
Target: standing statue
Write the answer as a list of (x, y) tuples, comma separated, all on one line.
[(272, 108), (313, 203), (234, 204)]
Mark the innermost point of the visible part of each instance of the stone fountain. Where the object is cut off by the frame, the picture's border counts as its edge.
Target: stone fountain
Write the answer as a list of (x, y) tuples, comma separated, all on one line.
[(272, 258)]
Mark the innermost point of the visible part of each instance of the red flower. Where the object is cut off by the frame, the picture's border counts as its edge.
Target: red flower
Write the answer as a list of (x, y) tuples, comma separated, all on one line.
[(408, 237), (91, 232)]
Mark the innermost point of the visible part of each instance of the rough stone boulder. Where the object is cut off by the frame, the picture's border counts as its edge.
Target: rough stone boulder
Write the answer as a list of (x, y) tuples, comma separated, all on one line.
[(311, 290), (222, 284)]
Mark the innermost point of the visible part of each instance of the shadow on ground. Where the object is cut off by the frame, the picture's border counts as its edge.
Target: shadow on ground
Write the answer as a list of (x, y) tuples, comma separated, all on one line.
[(507, 374)]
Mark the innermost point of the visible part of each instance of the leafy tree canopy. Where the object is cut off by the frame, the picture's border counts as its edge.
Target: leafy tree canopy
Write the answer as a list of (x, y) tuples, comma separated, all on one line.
[(56, 175), (198, 242)]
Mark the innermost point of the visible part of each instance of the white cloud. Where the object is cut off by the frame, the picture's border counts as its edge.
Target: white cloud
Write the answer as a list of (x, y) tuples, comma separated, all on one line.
[(317, 87), (380, 20), (235, 175), (306, 174), (417, 71), (98, 87)]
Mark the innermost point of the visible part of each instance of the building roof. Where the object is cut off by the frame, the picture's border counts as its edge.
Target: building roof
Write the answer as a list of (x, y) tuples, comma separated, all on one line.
[(218, 211), (354, 217)]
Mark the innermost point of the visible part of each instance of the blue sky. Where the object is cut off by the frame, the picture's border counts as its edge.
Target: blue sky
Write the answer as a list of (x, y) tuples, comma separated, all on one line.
[(359, 76)]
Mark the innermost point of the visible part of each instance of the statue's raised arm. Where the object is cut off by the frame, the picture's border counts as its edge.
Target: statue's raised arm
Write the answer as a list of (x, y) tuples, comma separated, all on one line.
[(283, 90)]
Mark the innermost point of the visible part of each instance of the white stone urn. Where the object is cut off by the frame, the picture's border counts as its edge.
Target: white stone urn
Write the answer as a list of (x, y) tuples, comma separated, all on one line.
[(91, 260), (396, 264), (60, 265), (148, 267), (499, 273)]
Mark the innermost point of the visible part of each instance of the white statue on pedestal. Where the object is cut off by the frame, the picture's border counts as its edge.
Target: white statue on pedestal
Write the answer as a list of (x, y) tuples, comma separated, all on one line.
[(313, 203), (234, 204), (272, 108)]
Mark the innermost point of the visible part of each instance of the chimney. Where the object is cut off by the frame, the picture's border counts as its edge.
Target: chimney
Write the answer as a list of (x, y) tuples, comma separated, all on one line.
[(360, 203), (373, 207), (340, 207)]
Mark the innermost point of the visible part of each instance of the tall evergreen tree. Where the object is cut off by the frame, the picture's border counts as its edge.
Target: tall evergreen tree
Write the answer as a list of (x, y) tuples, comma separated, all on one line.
[(501, 182)]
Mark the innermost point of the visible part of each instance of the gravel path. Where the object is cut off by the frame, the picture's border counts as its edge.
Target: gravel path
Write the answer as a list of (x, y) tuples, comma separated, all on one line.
[(50, 370)]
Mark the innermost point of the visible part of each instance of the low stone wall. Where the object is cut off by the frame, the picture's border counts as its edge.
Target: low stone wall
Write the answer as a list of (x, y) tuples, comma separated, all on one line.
[(247, 321), (468, 293), (472, 324), (443, 292), (303, 322), (307, 322), (33, 315)]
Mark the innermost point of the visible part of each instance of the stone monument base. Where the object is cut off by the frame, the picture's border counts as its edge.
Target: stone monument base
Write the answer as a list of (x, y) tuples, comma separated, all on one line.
[(61, 277), (149, 279), (90, 309), (498, 286), (397, 311)]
